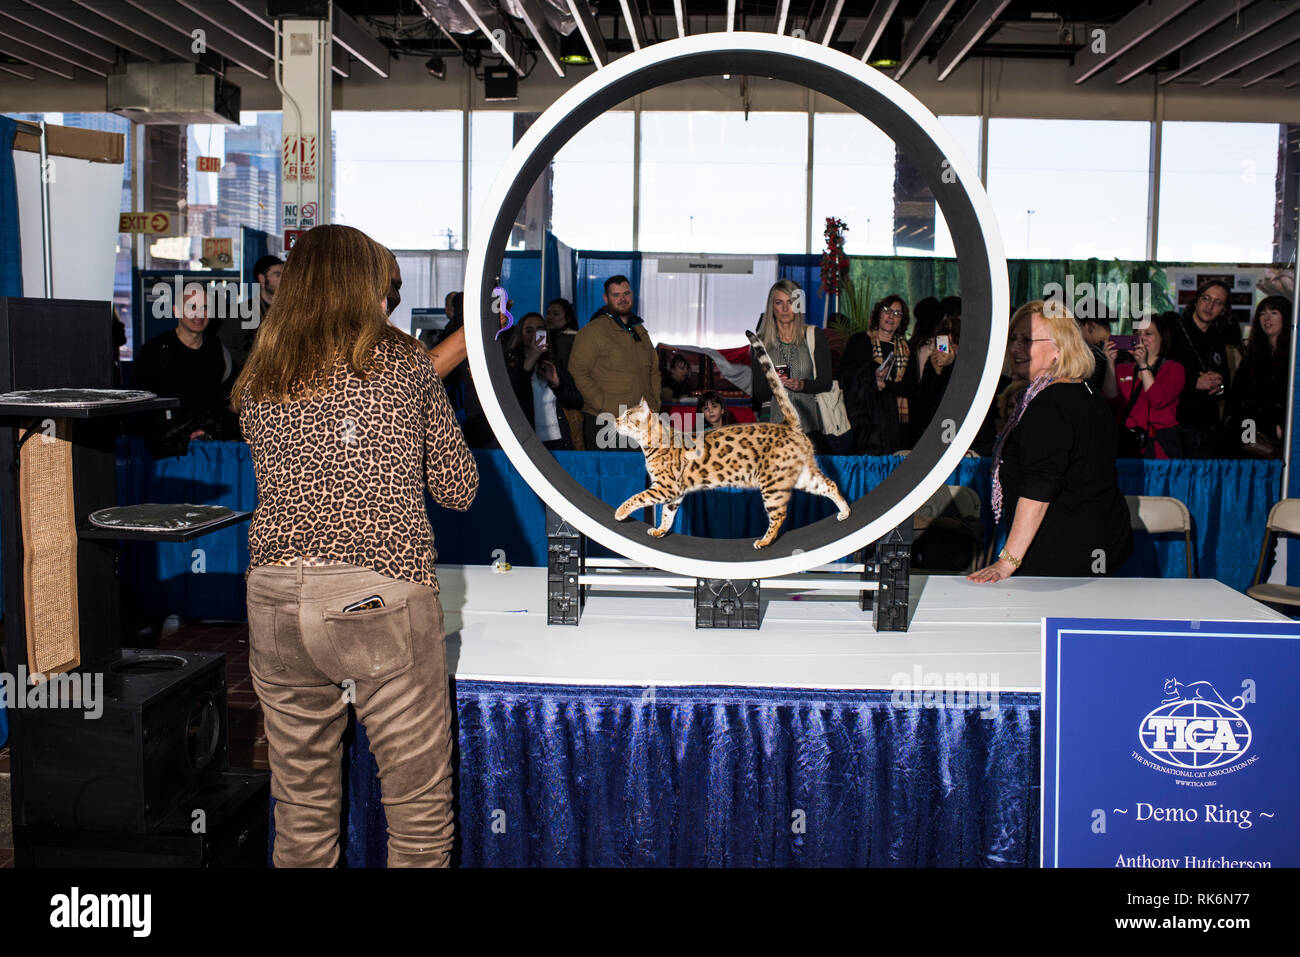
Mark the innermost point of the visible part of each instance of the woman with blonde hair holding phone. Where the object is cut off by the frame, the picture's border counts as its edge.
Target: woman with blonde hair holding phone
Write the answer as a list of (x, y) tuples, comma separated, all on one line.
[(348, 424), (1054, 462)]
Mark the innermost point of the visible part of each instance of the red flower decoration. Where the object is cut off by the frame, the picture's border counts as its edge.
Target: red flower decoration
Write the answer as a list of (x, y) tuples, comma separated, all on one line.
[(835, 264)]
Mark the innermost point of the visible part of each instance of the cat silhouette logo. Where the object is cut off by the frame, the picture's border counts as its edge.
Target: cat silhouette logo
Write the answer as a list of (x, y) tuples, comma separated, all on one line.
[(1195, 729)]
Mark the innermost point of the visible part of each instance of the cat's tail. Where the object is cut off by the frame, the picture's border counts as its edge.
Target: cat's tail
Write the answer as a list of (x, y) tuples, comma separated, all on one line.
[(779, 395)]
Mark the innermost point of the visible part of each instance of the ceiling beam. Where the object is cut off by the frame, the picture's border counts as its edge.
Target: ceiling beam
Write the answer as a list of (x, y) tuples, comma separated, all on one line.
[(58, 29), (1275, 62), (1291, 77), (494, 28), (22, 70), (546, 39), (429, 15), (17, 30), (1257, 47), (1255, 18), (922, 28), (824, 29), (1132, 29), (357, 41), (77, 16), (589, 30), (254, 32), (131, 19), (216, 37), (635, 29), (872, 30), (1173, 37), (37, 58), (967, 33)]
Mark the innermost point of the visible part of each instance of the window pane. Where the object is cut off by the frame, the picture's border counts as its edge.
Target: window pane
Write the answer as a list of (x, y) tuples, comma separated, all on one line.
[(397, 176), (716, 182), (1070, 188), (1217, 192), (854, 177), (491, 138), (853, 180), (595, 164), (966, 130)]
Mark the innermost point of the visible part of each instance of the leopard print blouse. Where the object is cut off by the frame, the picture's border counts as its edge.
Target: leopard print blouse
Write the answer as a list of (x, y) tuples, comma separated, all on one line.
[(341, 476)]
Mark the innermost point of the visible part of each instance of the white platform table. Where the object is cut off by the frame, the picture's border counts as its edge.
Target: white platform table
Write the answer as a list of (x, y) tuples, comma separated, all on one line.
[(496, 630)]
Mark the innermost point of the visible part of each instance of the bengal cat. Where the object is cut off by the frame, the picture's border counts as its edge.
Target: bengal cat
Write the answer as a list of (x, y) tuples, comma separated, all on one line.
[(774, 458)]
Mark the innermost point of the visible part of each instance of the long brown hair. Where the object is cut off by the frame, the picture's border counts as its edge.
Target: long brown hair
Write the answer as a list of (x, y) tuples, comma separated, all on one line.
[(328, 306)]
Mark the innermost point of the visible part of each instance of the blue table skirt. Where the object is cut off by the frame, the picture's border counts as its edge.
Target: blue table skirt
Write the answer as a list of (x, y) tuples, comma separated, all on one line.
[(566, 776), (1229, 501)]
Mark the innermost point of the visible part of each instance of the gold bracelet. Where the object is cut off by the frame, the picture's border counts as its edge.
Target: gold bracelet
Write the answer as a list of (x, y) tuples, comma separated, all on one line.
[(1006, 556)]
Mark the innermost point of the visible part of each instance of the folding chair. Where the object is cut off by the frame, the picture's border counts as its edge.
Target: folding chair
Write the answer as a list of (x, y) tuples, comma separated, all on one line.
[(1283, 519), (1161, 513)]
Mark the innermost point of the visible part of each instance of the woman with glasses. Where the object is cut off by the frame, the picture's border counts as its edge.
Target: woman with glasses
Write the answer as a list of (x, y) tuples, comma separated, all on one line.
[(1054, 462), (1257, 400), (1201, 343), (1144, 393), (877, 376)]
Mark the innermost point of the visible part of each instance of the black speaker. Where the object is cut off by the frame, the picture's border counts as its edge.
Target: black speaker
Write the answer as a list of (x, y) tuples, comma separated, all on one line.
[(159, 737), (500, 83), (233, 831)]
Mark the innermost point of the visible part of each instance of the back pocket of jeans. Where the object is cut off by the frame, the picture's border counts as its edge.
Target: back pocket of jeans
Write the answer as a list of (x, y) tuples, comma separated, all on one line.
[(263, 654), (374, 644)]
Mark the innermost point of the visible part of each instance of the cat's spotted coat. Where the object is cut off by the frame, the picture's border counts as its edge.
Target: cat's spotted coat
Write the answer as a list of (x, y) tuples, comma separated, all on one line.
[(775, 458)]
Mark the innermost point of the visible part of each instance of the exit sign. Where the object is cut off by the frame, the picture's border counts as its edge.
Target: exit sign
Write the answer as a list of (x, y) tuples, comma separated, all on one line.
[(208, 164)]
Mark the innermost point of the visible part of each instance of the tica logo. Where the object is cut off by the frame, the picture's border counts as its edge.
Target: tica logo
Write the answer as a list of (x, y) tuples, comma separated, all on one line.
[(1194, 728)]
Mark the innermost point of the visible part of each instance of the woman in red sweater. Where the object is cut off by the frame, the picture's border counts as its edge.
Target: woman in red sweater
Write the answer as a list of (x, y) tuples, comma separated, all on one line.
[(1144, 393)]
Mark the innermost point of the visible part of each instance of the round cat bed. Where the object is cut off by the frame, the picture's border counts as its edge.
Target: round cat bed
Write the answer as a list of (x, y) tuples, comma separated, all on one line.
[(981, 264)]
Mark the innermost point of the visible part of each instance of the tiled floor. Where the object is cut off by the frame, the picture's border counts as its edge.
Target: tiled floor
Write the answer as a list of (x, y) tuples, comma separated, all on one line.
[(247, 737)]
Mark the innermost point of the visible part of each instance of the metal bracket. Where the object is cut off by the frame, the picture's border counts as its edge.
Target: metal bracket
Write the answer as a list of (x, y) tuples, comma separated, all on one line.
[(727, 603), (888, 562), (566, 559)]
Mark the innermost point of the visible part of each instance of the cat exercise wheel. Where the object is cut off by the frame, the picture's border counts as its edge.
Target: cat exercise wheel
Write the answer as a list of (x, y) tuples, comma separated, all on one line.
[(981, 265)]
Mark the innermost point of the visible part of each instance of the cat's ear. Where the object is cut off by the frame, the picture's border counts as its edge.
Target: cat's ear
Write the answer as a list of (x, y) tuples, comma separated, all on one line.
[(644, 406)]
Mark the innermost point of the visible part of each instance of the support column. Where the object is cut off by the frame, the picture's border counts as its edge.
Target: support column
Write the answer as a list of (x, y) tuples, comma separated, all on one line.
[(304, 77)]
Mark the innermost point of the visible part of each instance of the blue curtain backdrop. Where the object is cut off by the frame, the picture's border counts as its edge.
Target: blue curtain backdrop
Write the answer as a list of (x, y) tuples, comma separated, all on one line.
[(573, 776), (1229, 501), (589, 282), (806, 270), (11, 260)]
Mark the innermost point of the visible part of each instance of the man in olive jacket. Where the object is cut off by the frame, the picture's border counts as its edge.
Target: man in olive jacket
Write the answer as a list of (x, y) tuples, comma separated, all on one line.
[(614, 364)]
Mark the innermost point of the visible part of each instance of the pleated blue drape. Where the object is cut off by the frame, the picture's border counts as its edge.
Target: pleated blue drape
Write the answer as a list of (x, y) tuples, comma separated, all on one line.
[(568, 776), (1229, 501)]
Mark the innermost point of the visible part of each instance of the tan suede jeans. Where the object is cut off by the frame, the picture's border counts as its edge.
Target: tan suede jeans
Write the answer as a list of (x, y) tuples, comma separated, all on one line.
[(309, 659)]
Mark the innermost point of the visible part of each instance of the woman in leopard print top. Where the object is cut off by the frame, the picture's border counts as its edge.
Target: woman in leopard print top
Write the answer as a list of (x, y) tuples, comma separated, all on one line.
[(348, 424)]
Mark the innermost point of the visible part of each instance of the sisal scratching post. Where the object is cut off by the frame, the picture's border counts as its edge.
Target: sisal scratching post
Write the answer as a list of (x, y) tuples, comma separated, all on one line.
[(49, 551)]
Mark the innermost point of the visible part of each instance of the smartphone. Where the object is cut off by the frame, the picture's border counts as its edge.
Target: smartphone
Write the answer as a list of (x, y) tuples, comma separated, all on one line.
[(941, 343), (888, 364), (540, 338), (366, 604), (1124, 343), (783, 370)]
